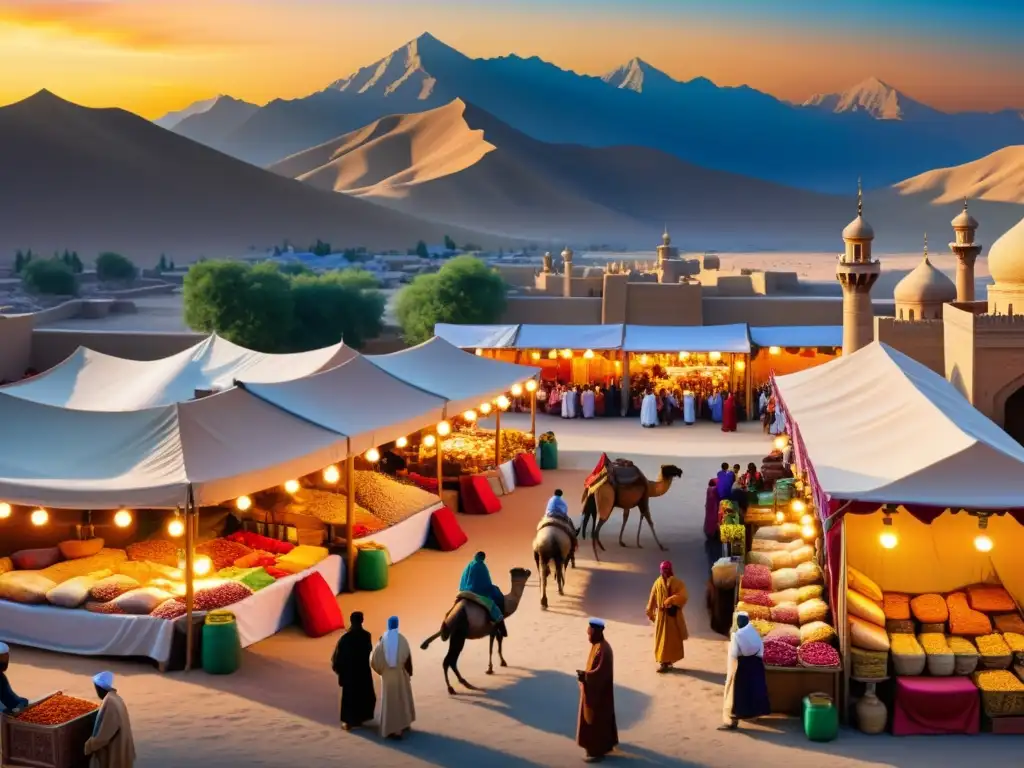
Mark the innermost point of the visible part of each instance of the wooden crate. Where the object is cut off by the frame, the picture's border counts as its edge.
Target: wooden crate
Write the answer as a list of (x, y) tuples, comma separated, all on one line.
[(787, 687), (27, 745)]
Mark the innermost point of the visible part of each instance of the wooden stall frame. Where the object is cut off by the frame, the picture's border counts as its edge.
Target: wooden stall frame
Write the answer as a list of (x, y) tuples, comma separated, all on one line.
[(190, 541), (350, 510)]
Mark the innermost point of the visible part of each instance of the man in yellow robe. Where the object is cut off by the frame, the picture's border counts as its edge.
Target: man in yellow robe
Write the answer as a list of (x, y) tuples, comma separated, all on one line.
[(665, 608), (111, 745), (392, 660)]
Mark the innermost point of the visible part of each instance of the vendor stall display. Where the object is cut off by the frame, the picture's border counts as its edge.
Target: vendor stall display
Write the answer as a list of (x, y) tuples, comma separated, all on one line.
[(470, 449), (50, 733)]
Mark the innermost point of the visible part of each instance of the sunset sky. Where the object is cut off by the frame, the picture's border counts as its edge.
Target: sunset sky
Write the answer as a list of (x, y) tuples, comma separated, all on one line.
[(152, 56)]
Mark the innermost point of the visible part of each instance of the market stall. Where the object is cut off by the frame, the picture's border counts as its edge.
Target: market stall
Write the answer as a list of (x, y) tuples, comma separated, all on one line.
[(919, 498), (783, 349)]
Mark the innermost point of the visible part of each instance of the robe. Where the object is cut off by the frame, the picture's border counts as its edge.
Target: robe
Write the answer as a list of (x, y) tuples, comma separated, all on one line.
[(111, 745), (762, 404), (778, 425), (746, 687), (600, 404), (596, 730), (397, 711), (715, 404), (351, 663), (669, 631), (587, 404), (565, 405), (689, 409), (729, 415), (9, 700), (649, 411), (476, 578)]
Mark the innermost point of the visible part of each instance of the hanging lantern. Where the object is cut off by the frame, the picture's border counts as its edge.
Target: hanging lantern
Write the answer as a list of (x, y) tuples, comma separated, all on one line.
[(292, 486), (535, 355), (429, 441), (176, 527), (242, 503), (531, 385), (469, 415), (443, 429), (39, 517), (123, 518), (484, 408), (504, 403), (372, 455), (567, 354), (479, 353), (331, 475), (517, 390), (402, 442), (552, 355)]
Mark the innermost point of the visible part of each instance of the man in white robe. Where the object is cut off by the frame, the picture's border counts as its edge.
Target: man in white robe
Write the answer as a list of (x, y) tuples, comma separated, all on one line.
[(587, 403), (392, 660), (689, 408), (111, 745), (649, 410)]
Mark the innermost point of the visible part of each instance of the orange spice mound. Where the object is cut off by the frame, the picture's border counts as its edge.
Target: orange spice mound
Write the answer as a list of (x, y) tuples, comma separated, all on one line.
[(57, 710)]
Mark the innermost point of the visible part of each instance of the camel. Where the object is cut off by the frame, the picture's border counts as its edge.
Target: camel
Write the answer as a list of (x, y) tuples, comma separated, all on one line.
[(552, 544), (469, 620), (626, 487)]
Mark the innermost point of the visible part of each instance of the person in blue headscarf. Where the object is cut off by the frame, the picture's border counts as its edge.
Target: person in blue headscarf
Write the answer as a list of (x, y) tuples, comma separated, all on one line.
[(9, 700), (476, 578)]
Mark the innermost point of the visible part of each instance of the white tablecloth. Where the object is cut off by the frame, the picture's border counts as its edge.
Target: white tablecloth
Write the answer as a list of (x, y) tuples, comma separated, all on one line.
[(407, 537), (508, 476)]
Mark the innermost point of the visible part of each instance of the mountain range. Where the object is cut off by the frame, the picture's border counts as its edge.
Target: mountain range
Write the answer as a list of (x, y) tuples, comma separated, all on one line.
[(104, 179), (822, 145), (461, 166)]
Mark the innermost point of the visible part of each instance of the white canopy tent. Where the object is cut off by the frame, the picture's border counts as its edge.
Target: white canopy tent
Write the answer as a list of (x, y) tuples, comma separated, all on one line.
[(223, 446), (357, 400), (597, 337), (461, 378), (93, 381), (878, 426), (478, 336), (797, 335), (687, 338)]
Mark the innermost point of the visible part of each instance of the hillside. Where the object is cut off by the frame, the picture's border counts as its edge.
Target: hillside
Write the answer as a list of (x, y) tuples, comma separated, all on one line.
[(998, 177), (105, 179)]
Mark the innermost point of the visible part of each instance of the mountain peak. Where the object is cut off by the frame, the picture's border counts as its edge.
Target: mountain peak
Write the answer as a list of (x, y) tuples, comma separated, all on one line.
[(410, 66), (875, 98), (636, 75)]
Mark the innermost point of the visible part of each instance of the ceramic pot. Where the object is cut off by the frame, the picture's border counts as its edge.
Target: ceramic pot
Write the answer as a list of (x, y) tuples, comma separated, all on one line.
[(871, 714)]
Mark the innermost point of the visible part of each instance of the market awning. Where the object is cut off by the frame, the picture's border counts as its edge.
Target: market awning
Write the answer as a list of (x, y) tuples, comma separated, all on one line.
[(688, 338), (92, 381), (357, 400), (461, 378), (877, 426), (569, 336), (224, 445), (797, 335), (478, 336)]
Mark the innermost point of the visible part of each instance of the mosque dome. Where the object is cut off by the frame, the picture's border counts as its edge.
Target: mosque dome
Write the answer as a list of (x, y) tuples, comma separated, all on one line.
[(858, 229), (567, 253), (925, 285), (964, 220), (665, 239), (1006, 257)]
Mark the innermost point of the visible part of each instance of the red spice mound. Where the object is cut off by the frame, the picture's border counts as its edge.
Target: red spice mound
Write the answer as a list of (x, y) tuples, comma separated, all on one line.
[(57, 710), (818, 654)]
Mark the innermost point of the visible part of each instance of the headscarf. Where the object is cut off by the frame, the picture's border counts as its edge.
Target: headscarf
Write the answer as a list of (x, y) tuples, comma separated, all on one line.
[(746, 639), (557, 504), (104, 681), (356, 619), (391, 642), (5, 649), (666, 569)]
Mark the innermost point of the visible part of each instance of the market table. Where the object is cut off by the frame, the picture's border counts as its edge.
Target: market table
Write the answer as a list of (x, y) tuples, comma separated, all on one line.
[(930, 706)]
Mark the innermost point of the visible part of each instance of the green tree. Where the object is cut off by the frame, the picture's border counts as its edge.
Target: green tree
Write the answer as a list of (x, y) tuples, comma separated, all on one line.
[(336, 306), (76, 263), (320, 248), (49, 276), (114, 266), (421, 250), (249, 305), (449, 244), (170, 265), (464, 290), (294, 268)]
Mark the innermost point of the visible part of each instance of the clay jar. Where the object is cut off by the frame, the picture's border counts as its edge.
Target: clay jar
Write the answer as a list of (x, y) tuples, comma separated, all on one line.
[(871, 714)]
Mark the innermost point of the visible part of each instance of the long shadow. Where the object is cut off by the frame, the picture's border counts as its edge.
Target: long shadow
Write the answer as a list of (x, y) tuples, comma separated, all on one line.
[(436, 749)]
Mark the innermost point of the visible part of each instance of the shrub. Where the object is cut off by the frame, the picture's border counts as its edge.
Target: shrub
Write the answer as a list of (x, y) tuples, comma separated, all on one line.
[(114, 266), (49, 276)]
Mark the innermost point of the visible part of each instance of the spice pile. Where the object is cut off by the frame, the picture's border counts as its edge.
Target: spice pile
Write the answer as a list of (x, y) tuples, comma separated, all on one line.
[(389, 500), (472, 448), (57, 710)]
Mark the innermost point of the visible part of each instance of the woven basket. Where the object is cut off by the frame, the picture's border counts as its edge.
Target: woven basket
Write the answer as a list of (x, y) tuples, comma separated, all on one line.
[(899, 626), (869, 665), (965, 664), (928, 629), (941, 664), (906, 665), (995, 662)]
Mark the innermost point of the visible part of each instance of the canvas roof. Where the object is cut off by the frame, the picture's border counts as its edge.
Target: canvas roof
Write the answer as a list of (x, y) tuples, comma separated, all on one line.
[(687, 338), (225, 445), (607, 336), (93, 381), (797, 335), (357, 400), (878, 426), (461, 378), (478, 336)]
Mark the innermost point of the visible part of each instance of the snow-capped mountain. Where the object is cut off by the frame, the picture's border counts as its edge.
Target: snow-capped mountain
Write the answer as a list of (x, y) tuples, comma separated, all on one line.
[(639, 76), (875, 99), (172, 119)]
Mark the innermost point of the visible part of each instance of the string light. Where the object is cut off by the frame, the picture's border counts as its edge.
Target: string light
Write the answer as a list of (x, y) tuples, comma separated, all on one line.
[(774, 350), (373, 455), (292, 486), (552, 355), (444, 428), (567, 354), (535, 356), (176, 527), (741, 365), (808, 532), (517, 390), (588, 355), (479, 353), (39, 517), (242, 503), (485, 408), (331, 475), (469, 415), (531, 385), (123, 518), (202, 565), (780, 516), (781, 442), (798, 506), (402, 442), (429, 441), (5, 510), (807, 520), (504, 402), (715, 357)]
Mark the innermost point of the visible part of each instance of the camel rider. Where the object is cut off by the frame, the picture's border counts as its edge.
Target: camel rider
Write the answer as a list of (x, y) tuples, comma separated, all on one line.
[(476, 578), (557, 509)]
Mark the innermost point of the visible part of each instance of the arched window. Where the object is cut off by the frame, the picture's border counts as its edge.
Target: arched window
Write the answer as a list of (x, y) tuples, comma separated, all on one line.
[(857, 250), (901, 314), (910, 314)]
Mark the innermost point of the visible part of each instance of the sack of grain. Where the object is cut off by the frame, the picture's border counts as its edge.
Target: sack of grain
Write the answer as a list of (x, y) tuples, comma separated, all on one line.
[(993, 652), (941, 661), (965, 655), (868, 636), (858, 582), (72, 593), (28, 587), (908, 657), (865, 608)]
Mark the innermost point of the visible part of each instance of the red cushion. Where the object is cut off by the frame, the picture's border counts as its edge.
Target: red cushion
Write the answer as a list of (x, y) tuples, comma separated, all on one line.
[(319, 612), (527, 471), (36, 559), (477, 496), (446, 530)]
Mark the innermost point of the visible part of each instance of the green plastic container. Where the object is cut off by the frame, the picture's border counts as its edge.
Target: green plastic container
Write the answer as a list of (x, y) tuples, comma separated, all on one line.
[(372, 569), (549, 455), (222, 650), (821, 718)]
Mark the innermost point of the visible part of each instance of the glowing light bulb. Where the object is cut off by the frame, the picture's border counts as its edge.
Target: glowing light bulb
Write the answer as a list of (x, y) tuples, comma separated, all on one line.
[(202, 565), (643, 359), (774, 350), (39, 517), (469, 415), (715, 356), (888, 540), (531, 385), (485, 408), (552, 355), (567, 354), (402, 442), (373, 455), (588, 355), (535, 356), (5, 510), (683, 355), (517, 390), (479, 353), (807, 520), (444, 428), (331, 474), (504, 403), (741, 365), (983, 543), (429, 441), (798, 506), (176, 528), (780, 443), (123, 518), (780, 516), (243, 503), (292, 486), (807, 532)]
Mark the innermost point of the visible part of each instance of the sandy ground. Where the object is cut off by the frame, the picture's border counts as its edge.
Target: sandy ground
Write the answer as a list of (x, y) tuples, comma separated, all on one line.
[(281, 708)]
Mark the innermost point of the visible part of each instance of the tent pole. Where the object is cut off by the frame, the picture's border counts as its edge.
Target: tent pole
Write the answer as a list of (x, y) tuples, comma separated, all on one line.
[(497, 437), (190, 540), (747, 376), (624, 394), (533, 417), (843, 623), (350, 513)]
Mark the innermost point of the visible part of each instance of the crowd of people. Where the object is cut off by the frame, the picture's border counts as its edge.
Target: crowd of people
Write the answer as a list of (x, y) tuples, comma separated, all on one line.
[(572, 401)]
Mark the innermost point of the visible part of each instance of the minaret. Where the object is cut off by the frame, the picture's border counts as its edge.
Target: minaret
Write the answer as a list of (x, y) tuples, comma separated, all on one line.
[(567, 272), (547, 263), (857, 272), (665, 250), (966, 252)]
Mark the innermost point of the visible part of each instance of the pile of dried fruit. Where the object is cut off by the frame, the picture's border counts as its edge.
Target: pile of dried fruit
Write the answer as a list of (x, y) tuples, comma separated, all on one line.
[(818, 654), (778, 653), (169, 609), (57, 710), (757, 577), (221, 596), (155, 551), (222, 552)]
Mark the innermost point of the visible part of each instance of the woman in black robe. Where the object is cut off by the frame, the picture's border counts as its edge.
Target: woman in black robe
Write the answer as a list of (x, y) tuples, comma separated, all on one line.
[(351, 663)]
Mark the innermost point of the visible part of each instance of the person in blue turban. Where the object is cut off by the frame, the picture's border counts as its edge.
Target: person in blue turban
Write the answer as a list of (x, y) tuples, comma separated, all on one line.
[(476, 578)]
